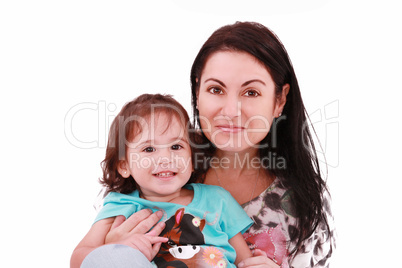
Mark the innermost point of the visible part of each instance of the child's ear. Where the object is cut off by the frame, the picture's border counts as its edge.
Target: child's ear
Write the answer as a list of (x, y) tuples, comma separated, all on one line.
[(122, 168)]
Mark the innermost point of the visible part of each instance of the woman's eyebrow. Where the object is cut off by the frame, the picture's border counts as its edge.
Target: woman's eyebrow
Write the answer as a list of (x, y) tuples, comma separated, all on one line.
[(243, 85), (215, 80), (252, 81)]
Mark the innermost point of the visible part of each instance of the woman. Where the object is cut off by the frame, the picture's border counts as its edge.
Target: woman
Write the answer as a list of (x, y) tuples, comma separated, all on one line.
[(250, 113), (255, 143)]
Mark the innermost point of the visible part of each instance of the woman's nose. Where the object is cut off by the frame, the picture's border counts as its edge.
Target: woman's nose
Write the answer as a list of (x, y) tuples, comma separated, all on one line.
[(231, 107)]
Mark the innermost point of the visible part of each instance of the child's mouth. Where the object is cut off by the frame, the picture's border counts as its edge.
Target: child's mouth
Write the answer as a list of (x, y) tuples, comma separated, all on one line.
[(165, 174)]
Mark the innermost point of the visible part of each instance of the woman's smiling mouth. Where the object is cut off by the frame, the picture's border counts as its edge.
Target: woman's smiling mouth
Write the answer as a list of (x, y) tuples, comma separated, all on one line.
[(230, 128)]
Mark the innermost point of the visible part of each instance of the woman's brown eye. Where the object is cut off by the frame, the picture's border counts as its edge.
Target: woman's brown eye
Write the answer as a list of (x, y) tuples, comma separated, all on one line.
[(215, 90), (252, 93)]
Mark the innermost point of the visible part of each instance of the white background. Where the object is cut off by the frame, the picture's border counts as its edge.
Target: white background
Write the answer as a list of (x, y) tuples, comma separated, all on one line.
[(58, 56)]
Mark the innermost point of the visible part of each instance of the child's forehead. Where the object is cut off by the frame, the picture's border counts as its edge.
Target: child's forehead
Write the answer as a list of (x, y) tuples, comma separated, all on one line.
[(162, 120), (160, 124)]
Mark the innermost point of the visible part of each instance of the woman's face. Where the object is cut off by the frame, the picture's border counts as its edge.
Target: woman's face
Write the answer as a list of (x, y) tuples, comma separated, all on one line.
[(236, 101)]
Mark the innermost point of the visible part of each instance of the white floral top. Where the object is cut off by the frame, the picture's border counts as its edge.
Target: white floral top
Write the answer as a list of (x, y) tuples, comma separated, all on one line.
[(272, 213)]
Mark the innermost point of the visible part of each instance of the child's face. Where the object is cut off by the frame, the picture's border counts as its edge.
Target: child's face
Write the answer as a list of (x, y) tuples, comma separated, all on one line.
[(159, 158)]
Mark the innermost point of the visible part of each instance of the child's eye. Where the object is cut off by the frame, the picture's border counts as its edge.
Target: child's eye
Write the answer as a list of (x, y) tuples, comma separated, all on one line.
[(149, 149), (252, 93), (176, 147), (215, 90)]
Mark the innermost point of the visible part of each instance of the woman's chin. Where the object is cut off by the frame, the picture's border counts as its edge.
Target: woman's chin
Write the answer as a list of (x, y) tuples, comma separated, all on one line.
[(234, 146)]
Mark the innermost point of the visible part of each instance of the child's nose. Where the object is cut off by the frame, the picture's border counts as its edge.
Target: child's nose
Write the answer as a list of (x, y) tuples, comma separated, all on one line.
[(165, 156)]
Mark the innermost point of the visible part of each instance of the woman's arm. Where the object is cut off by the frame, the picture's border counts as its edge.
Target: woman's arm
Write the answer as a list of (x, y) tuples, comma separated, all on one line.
[(132, 232), (93, 239)]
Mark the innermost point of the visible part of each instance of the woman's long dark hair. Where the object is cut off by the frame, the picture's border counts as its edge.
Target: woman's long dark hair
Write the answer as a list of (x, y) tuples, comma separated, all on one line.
[(291, 138)]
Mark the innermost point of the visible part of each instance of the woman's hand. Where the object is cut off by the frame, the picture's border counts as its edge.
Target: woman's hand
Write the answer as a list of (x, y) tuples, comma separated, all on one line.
[(134, 232), (259, 260), (138, 223), (147, 243)]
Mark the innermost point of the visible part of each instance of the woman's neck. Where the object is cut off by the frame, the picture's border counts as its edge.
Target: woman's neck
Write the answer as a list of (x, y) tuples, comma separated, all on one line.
[(236, 162), (240, 173)]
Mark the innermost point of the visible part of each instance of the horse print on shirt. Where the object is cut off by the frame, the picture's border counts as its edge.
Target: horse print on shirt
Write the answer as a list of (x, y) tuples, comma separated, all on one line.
[(184, 246)]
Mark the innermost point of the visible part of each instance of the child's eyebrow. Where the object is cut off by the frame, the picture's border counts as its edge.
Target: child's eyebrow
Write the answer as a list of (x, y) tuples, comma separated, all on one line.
[(152, 142), (137, 145), (178, 139)]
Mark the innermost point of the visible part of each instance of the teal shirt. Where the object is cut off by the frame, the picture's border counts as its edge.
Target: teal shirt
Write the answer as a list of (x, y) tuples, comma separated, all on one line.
[(212, 209)]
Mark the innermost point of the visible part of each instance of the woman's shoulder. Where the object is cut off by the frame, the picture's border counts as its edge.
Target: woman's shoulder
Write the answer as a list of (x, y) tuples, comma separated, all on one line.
[(277, 186), (273, 207)]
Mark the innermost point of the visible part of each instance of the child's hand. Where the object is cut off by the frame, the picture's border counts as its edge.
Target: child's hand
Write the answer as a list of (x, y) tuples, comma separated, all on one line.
[(138, 223), (259, 259)]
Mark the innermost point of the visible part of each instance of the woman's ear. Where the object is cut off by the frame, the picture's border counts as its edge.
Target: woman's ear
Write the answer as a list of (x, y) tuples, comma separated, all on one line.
[(281, 101), (122, 168)]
